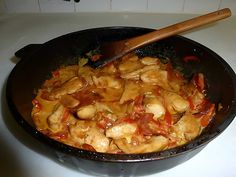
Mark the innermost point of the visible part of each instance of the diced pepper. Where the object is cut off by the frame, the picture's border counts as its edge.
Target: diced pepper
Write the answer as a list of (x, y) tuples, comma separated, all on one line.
[(65, 115), (36, 104), (56, 73), (96, 57), (191, 58), (190, 101), (148, 126), (168, 118), (88, 147), (104, 123), (199, 81), (60, 135), (138, 104)]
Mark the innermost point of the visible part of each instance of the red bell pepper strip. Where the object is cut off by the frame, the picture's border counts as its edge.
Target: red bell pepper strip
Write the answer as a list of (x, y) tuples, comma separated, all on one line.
[(191, 58)]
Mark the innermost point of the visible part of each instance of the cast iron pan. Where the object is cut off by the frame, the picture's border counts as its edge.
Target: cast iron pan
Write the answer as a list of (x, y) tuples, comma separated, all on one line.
[(38, 61)]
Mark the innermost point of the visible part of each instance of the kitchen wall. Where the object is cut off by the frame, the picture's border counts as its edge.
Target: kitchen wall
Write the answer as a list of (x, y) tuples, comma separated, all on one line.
[(157, 6)]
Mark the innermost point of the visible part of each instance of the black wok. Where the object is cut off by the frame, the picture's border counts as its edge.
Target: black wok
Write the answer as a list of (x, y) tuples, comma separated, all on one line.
[(38, 61)]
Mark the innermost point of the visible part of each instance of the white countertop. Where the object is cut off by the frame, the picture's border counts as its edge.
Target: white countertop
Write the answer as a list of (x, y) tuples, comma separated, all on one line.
[(217, 159)]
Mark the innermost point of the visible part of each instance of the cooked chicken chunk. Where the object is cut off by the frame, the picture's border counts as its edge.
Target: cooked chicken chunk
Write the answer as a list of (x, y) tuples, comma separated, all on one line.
[(175, 103), (135, 75), (69, 87), (131, 90), (130, 64), (97, 140), (122, 130), (154, 105), (107, 81), (69, 101), (155, 143), (59, 119), (156, 77), (87, 112), (86, 132), (149, 61), (87, 73), (78, 131), (187, 128)]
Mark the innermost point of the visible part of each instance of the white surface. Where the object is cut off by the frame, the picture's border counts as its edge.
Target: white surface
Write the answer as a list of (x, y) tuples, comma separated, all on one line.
[(56, 6), (130, 5), (170, 6), (155, 6), (93, 5), (202, 6), (22, 6), (17, 160)]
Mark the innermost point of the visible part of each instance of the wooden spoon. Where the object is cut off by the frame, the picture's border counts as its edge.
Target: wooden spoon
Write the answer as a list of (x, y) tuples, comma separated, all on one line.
[(110, 51)]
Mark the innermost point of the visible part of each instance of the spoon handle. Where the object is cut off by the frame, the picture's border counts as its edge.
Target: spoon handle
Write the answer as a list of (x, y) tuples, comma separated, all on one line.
[(177, 28)]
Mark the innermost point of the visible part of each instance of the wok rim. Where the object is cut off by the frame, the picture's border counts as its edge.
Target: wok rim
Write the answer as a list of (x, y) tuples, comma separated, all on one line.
[(107, 157)]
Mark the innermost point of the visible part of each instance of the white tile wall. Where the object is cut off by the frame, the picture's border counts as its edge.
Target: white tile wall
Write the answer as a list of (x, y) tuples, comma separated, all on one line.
[(93, 5), (22, 6), (170, 6), (229, 3), (128, 5), (56, 6), (201, 6), (156, 6)]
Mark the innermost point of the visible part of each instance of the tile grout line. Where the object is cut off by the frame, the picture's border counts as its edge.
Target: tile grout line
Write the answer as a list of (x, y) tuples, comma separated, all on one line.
[(183, 7), (220, 3), (75, 7), (110, 5), (40, 10)]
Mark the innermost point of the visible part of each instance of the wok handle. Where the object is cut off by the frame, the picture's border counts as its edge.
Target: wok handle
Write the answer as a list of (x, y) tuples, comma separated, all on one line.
[(27, 50)]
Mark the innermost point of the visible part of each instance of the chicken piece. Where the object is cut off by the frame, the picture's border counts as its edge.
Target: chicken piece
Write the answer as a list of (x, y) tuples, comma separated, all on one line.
[(69, 101), (102, 107), (67, 72), (148, 89), (156, 77), (86, 72), (107, 81), (86, 132), (196, 100), (149, 61), (195, 97), (186, 129), (108, 110), (120, 110), (69, 87), (42, 108), (155, 143), (87, 112), (175, 103), (131, 91), (61, 75), (97, 140), (109, 94), (113, 149), (79, 130), (121, 130), (109, 69), (135, 75), (130, 64), (59, 119), (154, 105)]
